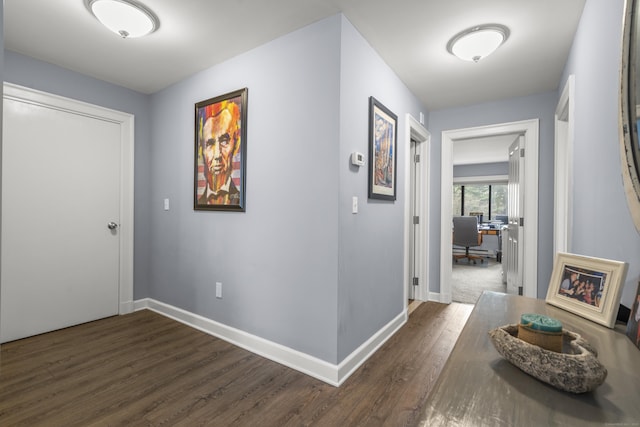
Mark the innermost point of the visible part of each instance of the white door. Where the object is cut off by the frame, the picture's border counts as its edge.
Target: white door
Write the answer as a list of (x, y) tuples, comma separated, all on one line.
[(417, 211), (414, 249), (563, 169), (60, 192), (514, 255)]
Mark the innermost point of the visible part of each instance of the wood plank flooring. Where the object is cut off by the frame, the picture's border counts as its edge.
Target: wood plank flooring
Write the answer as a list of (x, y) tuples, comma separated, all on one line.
[(148, 370)]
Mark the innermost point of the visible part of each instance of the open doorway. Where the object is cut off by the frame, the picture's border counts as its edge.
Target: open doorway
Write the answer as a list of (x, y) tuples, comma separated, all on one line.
[(480, 190), (529, 220)]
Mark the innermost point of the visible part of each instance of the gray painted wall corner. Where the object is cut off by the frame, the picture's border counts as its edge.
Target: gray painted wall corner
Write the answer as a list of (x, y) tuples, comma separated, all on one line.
[(371, 242), (277, 261)]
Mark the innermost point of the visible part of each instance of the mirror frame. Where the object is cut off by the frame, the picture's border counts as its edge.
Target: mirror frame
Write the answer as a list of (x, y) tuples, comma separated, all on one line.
[(629, 143)]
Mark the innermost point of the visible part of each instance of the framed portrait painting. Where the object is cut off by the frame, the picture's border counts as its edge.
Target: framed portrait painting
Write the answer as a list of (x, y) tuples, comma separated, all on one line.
[(221, 152), (383, 135), (587, 286)]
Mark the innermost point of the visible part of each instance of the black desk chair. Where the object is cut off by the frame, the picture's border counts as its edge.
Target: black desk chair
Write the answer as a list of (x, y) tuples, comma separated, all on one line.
[(465, 233)]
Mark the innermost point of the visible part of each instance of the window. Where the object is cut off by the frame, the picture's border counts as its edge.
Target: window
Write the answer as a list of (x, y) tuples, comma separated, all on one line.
[(498, 199), (490, 199)]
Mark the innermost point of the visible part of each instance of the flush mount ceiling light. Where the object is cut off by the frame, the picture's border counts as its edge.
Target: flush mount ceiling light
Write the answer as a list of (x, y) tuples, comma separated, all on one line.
[(124, 17), (478, 42)]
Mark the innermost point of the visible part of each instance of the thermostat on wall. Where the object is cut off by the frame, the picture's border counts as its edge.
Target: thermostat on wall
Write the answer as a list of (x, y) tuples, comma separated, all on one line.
[(357, 158)]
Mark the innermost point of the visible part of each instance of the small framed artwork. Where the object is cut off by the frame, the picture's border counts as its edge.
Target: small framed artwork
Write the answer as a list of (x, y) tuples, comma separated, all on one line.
[(587, 286), (383, 134), (221, 152), (633, 329)]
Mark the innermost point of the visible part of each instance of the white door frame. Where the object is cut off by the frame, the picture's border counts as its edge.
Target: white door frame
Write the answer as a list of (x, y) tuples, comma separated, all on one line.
[(563, 167), (414, 130), (126, 122), (529, 128)]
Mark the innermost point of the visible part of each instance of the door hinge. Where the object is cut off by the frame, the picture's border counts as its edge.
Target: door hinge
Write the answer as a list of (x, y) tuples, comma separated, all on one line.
[(416, 281), (416, 158), (522, 152), (416, 220), (521, 222)]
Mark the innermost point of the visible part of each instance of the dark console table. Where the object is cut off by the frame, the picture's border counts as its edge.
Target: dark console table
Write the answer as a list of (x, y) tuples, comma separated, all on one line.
[(478, 387)]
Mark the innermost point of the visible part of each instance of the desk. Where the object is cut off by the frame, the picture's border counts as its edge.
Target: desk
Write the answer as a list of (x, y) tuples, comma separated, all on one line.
[(490, 231), (494, 232), (477, 387)]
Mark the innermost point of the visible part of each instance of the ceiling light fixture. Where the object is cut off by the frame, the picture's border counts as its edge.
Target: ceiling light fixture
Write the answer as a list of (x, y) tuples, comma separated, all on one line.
[(125, 18), (478, 42)]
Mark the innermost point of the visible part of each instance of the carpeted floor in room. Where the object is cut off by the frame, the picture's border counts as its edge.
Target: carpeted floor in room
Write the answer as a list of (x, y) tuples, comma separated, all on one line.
[(468, 281)]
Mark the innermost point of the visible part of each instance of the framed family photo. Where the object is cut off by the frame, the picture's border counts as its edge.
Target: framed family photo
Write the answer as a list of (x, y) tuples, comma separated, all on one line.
[(383, 135), (587, 286), (221, 152)]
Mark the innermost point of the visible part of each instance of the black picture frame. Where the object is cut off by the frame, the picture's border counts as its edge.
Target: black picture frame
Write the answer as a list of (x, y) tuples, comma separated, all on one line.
[(220, 157), (383, 158)]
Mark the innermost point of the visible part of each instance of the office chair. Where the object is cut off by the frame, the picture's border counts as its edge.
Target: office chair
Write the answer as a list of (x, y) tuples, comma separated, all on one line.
[(480, 216), (465, 233)]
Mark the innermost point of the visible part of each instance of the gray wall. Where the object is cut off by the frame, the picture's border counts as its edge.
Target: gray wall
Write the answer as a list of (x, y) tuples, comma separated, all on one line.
[(371, 243), (602, 224), (540, 106), (278, 261), (297, 268), (29, 72)]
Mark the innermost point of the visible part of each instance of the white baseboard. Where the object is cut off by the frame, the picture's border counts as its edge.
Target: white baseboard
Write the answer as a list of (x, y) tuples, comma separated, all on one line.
[(360, 355), (126, 307), (307, 364), (440, 297)]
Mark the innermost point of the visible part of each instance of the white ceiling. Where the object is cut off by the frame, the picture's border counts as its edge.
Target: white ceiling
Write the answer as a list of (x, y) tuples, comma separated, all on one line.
[(410, 35)]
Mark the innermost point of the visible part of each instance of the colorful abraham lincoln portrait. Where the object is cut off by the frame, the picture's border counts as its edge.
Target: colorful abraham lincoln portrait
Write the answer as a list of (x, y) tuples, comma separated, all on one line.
[(220, 152)]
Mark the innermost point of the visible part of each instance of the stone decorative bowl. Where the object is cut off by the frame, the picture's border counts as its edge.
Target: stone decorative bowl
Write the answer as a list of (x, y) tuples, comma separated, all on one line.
[(576, 370)]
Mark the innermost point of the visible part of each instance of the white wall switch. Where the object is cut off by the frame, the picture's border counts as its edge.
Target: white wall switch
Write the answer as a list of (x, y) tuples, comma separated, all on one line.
[(354, 205), (218, 289), (166, 204)]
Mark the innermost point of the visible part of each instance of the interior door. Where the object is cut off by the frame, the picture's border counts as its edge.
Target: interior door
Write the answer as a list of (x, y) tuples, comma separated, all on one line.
[(515, 209), (415, 228), (60, 217)]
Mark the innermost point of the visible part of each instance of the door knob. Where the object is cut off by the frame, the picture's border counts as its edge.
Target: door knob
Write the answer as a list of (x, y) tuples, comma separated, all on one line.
[(112, 225)]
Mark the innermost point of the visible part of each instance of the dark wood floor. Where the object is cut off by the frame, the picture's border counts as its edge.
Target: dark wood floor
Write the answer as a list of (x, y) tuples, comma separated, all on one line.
[(145, 369)]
